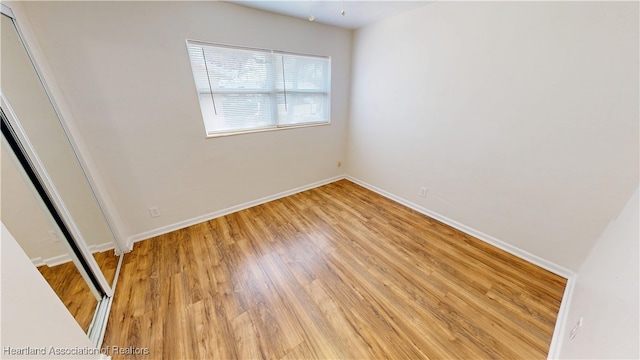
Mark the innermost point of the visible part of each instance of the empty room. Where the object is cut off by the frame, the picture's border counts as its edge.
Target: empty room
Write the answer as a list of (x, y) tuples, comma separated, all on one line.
[(320, 180)]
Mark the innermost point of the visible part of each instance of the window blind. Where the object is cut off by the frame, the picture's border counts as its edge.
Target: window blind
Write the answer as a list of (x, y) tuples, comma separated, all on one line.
[(243, 89)]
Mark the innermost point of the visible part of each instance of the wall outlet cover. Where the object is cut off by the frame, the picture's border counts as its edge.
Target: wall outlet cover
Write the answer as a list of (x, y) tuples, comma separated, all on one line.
[(154, 211)]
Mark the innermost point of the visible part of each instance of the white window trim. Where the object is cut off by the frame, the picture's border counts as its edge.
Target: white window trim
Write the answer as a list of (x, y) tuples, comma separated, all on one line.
[(277, 126), (266, 129)]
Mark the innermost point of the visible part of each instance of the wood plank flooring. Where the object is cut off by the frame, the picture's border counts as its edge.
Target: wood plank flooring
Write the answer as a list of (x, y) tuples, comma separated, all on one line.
[(335, 272), (67, 282)]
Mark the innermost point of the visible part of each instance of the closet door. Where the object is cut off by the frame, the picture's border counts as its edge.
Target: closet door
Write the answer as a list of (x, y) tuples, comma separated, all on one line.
[(48, 202)]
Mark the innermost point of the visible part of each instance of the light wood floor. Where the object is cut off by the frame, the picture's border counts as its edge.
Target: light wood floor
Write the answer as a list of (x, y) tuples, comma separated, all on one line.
[(334, 272), (68, 284)]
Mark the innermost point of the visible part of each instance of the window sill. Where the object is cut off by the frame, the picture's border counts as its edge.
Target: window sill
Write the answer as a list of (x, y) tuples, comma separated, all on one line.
[(240, 132)]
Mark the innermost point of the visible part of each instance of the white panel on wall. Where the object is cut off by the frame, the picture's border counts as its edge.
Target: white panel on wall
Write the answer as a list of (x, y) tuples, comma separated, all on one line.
[(520, 118)]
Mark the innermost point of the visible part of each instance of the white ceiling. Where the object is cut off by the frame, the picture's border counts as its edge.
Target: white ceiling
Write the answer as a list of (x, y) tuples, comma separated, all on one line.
[(357, 13)]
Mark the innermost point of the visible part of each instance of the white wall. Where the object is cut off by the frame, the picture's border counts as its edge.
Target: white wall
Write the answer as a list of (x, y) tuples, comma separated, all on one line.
[(521, 118), (32, 314), (606, 294), (123, 70)]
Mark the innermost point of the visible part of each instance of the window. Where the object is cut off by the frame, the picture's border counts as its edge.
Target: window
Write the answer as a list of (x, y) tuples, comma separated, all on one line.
[(247, 90)]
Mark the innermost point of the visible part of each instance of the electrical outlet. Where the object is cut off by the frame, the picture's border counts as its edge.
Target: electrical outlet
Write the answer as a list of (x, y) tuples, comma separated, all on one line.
[(423, 192), (339, 163), (154, 211), (576, 329), (54, 236)]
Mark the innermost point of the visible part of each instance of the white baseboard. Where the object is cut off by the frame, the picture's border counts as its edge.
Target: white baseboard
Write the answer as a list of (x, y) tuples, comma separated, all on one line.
[(38, 262), (57, 260), (559, 329), (561, 320), (522, 254), (65, 258), (206, 217), (101, 247)]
